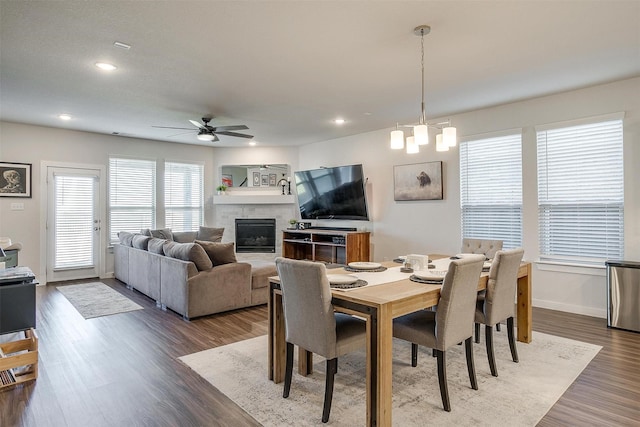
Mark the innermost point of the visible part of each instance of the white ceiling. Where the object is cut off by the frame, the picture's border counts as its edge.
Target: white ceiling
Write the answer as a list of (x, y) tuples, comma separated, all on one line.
[(287, 68)]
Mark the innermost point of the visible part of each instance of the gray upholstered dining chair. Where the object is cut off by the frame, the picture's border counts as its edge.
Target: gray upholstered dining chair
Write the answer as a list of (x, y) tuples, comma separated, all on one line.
[(497, 303), (450, 324), (311, 323), (480, 246)]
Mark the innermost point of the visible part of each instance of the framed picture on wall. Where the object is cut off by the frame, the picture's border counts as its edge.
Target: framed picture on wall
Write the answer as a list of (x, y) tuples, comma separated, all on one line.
[(272, 180), (419, 181), (265, 180), (227, 180), (256, 179), (15, 179)]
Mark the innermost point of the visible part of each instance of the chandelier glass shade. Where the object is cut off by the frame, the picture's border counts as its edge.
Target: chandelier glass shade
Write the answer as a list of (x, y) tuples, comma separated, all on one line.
[(421, 130)]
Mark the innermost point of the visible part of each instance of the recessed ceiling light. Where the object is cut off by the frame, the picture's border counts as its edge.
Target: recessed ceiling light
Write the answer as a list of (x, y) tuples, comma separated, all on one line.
[(106, 66), (339, 121), (64, 116), (252, 143), (122, 45)]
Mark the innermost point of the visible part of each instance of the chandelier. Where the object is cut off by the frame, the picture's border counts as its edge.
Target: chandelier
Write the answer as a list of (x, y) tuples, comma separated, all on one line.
[(444, 140)]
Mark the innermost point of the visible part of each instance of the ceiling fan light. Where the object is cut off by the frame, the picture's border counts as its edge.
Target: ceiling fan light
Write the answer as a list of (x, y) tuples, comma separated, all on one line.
[(397, 139), (205, 137), (449, 136), (421, 134), (440, 144), (412, 146)]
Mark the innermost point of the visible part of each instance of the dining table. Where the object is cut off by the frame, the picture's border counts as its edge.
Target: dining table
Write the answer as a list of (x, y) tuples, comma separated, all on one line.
[(379, 304)]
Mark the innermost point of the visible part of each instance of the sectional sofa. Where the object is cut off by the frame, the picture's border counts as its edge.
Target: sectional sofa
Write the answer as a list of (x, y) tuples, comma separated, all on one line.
[(191, 273)]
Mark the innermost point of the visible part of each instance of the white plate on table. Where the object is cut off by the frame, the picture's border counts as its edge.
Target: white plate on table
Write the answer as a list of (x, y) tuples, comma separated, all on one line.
[(365, 265), (430, 274), (342, 279)]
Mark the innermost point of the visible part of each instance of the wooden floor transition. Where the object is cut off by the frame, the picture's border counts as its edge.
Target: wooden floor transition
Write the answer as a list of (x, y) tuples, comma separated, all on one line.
[(122, 370)]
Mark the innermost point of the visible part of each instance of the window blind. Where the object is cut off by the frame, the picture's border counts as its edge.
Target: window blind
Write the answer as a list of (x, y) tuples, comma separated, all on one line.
[(73, 222), (183, 196), (132, 195), (491, 189), (581, 192)]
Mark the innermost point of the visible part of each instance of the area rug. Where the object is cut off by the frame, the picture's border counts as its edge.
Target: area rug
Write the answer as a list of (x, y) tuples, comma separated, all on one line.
[(96, 299), (520, 396)]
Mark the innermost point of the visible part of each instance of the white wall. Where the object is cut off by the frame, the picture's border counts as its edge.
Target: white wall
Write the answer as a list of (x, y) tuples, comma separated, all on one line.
[(434, 226)]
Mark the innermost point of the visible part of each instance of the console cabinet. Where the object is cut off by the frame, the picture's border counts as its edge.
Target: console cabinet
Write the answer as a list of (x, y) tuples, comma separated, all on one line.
[(330, 246)]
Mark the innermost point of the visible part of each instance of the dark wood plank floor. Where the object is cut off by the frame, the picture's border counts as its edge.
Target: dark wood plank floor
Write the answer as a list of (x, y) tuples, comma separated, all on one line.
[(122, 370)]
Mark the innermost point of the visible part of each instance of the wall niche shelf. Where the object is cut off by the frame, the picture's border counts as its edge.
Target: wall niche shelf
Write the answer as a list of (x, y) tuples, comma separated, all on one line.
[(254, 199)]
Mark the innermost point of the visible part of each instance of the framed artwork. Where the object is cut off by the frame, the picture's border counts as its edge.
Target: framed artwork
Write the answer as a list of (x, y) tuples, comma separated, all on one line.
[(15, 179), (272, 180), (419, 181), (227, 180), (265, 180), (256, 179)]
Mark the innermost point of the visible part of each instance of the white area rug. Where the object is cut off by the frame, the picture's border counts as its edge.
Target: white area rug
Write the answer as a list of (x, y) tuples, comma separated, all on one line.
[(520, 396), (96, 299)]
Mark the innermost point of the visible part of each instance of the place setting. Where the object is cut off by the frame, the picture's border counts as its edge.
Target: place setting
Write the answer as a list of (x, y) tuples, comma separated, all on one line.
[(365, 267), (345, 281)]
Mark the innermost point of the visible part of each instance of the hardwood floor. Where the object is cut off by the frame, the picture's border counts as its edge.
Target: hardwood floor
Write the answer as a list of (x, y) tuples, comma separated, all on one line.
[(122, 370)]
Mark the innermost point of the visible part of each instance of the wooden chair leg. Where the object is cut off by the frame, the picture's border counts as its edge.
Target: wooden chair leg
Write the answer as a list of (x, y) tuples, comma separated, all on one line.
[(512, 340), (414, 355), (442, 379), (488, 336), (477, 332), (288, 372), (332, 367), (468, 346)]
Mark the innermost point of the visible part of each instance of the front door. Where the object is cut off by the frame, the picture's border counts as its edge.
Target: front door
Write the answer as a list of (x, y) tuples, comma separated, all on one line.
[(73, 223)]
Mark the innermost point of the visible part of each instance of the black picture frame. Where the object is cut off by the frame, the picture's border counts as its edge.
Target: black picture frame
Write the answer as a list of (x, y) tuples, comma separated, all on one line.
[(418, 181), (256, 179), (15, 179)]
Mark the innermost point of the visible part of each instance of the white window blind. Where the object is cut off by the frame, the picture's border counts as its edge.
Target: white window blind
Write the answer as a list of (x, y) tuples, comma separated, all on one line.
[(491, 189), (132, 195), (581, 192), (73, 222), (183, 196)]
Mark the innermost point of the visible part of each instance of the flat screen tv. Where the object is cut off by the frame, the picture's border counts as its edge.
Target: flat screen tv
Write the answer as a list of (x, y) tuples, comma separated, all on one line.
[(332, 193)]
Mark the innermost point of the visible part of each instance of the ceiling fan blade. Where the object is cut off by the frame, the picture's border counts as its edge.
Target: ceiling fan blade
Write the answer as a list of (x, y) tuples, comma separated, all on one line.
[(170, 127), (181, 133), (239, 135), (197, 124), (233, 127)]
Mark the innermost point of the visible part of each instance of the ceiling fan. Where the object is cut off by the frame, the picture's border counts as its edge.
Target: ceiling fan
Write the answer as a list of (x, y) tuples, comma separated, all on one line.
[(210, 133)]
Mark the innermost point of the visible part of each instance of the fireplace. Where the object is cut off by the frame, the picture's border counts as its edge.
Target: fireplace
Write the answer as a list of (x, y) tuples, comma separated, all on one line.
[(256, 235)]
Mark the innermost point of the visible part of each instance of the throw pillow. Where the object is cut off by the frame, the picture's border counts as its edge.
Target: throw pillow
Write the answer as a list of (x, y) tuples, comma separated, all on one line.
[(140, 242), (163, 233), (188, 252), (219, 253), (145, 232), (184, 236), (155, 245), (210, 234), (126, 238)]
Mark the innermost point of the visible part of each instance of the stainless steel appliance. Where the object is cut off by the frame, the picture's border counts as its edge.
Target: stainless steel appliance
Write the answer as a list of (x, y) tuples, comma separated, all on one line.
[(623, 295)]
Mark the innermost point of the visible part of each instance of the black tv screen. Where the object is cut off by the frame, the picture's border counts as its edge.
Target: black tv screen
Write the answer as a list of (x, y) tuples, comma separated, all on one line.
[(332, 193)]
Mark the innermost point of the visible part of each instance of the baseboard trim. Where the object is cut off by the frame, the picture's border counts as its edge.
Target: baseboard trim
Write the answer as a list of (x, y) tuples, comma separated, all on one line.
[(570, 308)]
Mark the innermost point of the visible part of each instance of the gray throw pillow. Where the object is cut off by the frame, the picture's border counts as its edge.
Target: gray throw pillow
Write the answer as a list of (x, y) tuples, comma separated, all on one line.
[(155, 245), (162, 233), (184, 236), (126, 238), (188, 252), (145, 232), (140, 242), (219, 253), (210, 234)]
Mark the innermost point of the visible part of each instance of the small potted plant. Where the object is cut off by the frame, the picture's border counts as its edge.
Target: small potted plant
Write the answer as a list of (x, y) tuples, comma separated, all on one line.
[(221, 189), (293, 223)]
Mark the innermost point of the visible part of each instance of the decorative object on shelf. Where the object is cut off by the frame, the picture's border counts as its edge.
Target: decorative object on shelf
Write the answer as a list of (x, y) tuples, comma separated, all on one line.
[(285, 182), (15, 179), (421, 130), (265, 180), (256, 179), (272, 179), (293, 223), (227, 180), (221, 189), (419, 181)]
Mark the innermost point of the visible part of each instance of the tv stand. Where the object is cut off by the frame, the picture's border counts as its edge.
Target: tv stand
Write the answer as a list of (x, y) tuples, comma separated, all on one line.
[(321, 227), (330, 246)]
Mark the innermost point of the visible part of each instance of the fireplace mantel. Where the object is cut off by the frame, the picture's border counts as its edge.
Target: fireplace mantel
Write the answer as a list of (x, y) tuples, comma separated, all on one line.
[(266, 199)]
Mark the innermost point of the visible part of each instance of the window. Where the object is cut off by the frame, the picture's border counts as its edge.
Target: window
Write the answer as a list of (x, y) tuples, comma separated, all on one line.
[(491, 189), (183, 196), (132, 195), (580, 191)]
